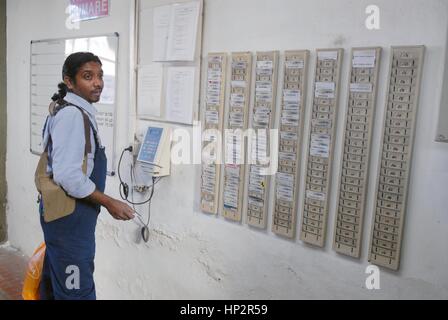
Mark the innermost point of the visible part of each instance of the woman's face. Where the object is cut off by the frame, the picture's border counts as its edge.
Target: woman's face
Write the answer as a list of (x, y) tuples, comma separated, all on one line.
[(89, 82)]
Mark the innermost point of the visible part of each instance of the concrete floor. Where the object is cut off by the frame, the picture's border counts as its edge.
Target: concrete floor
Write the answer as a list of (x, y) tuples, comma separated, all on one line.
[(12, 272), (3, 296)]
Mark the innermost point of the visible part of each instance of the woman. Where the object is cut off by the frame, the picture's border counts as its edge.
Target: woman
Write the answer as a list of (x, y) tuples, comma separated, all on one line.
[(70, 240)]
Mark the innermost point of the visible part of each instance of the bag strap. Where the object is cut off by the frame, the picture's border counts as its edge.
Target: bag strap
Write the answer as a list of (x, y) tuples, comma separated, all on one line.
[(88, 147), (53, 109)]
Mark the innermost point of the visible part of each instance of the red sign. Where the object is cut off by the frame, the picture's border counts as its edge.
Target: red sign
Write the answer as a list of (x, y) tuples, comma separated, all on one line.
[(89, 9)]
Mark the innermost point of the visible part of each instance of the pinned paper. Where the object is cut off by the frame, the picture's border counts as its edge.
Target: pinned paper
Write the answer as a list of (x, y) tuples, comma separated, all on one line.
[(361, 87), (285, 179), (238, 84), (327, 55), (182, 33), (265, 65), (286, 156), (288, 135), (294, 64), (320, 145), (179, 94), (284, 193), (320, 196), (149, 90), (211, 116), (291, 95), (263, 86), (237, 100), (363, 59), (324, 90)]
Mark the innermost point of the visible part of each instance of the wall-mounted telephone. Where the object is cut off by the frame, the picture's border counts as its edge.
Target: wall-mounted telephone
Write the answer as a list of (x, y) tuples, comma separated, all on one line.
[(152, 164), (155, 151)]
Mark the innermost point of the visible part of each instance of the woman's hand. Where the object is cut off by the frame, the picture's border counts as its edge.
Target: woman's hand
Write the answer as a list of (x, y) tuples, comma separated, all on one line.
[(120, 210), (117, 209)]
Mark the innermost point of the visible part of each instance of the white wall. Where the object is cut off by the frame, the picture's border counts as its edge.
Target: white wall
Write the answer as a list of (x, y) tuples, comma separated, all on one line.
[(193, 255)]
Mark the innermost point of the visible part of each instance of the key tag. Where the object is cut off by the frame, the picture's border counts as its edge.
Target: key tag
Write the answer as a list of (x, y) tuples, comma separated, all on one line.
[(145, 233)]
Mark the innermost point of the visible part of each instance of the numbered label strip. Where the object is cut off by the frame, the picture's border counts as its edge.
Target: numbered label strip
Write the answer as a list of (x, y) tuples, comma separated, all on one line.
[(212, 124), (295, 70), (241, 70), (396, 148), (355, 163), (320, 153), (262, 118)]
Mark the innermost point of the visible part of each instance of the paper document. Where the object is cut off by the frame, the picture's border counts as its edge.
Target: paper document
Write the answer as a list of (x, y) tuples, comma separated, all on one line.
[(324, 90), (179, 94), (361, 87), (161, 25), (320, 145), (183, 31), (149, 90), (363, 59)]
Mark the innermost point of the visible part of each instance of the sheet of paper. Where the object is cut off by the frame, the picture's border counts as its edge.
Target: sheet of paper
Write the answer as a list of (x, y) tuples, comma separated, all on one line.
[(294, 64), (236, 119), (259, 145), (255, 202), (211, 116), (179, 94), (285, 179), (286, 156), (161, 24), (327, 55), (361, 87), (284, 193), (320, 145), (238, 84), (182, 32), (324, 90), (233, 149), (315, 195), (149, 90), (363, 59), (290, 118), (231, 186), (288, 135), (236, 100), (292, 96)]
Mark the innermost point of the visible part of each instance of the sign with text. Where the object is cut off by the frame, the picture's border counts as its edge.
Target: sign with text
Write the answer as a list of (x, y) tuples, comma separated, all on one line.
[(89, 9)]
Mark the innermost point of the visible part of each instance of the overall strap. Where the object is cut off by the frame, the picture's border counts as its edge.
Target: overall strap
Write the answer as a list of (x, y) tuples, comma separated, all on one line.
[(53, 108), (87, 124)]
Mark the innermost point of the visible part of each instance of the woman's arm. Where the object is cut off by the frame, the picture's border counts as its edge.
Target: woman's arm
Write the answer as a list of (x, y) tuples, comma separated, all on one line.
[(117, 209)]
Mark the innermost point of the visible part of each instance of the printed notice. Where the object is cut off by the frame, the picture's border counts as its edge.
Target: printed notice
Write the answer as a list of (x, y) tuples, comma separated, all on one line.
[(183, 31), (294, 64), (315, 195), (324, 90), (179, 94), (238, 84), (149, 90), (363, 59), (361, 87), (291, 95), (320, 145), (327, 55), (161, 24)]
